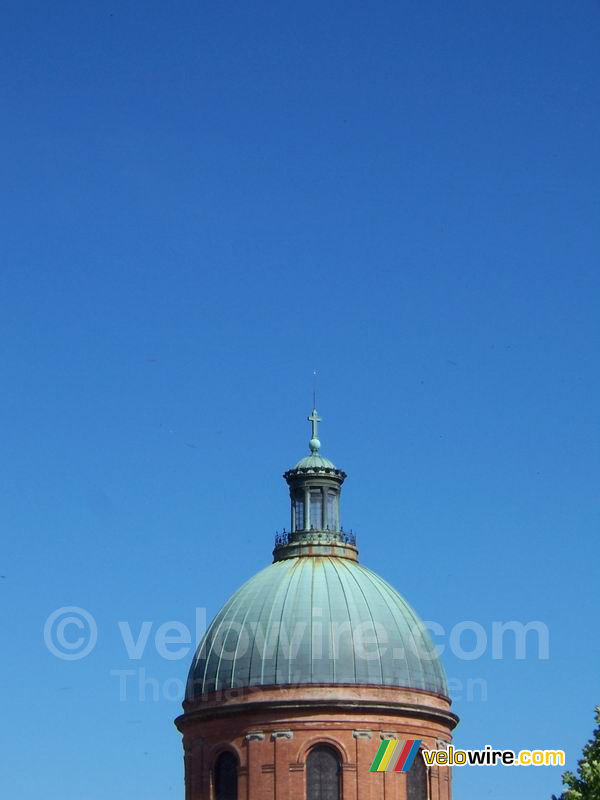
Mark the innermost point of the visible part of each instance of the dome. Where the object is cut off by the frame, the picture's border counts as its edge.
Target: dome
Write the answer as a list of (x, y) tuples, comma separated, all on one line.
[(315, 461), (316, 620)]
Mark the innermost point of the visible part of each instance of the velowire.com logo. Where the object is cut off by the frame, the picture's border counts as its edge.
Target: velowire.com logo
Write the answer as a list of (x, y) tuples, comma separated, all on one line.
[(395, 755)]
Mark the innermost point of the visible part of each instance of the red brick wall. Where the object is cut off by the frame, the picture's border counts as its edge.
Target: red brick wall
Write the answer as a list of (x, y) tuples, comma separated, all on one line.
[(272, 730)]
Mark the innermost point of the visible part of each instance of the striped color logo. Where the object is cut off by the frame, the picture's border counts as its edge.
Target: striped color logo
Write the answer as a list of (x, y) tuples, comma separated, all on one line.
[(395, 755)]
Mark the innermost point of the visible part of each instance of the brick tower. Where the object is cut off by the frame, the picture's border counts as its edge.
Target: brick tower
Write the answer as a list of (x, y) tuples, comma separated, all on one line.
[(308, 667)]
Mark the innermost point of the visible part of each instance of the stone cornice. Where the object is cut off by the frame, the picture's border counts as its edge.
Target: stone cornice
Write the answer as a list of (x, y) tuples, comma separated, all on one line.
[(299, 474), (299, 707)]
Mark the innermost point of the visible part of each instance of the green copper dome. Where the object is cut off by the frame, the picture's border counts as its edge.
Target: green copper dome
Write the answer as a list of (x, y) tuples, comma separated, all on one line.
[(315, 616), (315, 461), (316, 620)]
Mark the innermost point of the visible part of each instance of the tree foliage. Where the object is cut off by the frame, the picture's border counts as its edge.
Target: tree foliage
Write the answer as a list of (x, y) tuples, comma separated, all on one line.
[(585, 785)]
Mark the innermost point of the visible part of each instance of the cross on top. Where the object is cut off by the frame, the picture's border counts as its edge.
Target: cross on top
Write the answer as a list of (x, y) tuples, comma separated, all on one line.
[(314, 420)]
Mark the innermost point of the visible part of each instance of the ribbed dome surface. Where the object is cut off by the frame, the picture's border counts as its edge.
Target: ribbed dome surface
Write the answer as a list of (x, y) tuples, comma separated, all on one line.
[(302, 621), (315, 461)]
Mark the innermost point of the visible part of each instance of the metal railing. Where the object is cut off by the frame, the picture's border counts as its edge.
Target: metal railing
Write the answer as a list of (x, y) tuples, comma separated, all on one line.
[(314, 537)]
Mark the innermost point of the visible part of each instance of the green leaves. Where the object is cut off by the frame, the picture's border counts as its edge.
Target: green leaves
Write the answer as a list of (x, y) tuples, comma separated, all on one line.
[(585, 785)]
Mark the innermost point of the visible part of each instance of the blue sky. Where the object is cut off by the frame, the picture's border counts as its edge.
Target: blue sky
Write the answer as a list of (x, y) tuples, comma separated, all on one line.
[(202, 203)]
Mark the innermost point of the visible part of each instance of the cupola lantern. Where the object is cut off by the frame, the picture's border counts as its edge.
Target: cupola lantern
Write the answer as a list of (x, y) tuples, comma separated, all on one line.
[(315, 487)]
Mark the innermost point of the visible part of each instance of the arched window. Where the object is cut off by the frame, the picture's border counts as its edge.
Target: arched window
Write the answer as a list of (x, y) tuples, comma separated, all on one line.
[(323, 774), (225, 777), (416, 779)]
